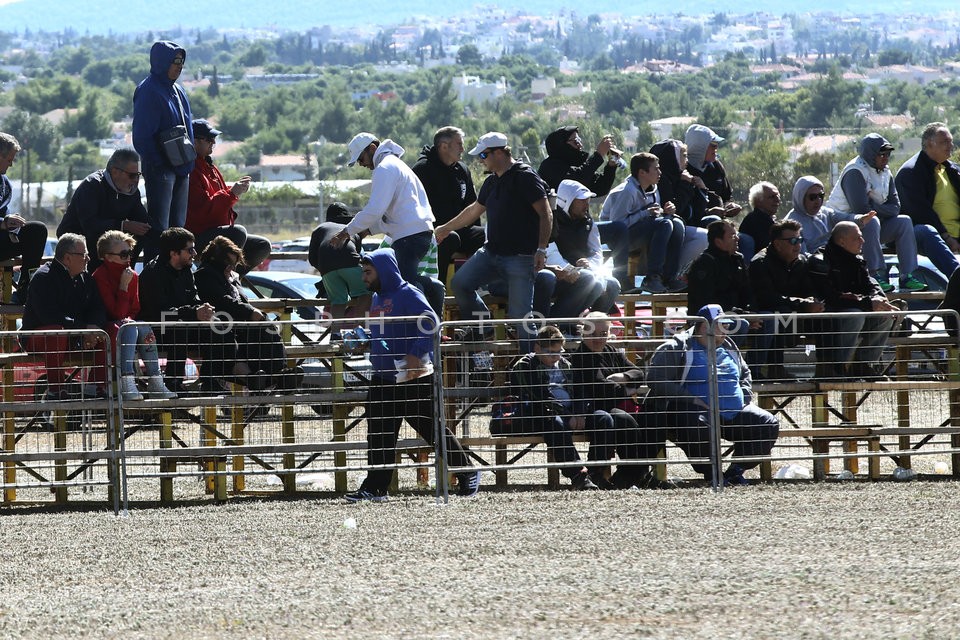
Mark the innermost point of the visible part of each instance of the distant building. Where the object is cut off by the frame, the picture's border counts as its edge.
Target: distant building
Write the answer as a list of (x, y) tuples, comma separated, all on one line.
[(540, 88), (472, 89), (663, 128)]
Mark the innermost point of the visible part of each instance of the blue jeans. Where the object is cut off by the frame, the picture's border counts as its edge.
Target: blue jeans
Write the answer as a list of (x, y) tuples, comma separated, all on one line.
[(613, 233), (663, 238), (131, 339), (608, 297), (484, 268), (410, 251), (571, 298), (930, 244), (166, 201)]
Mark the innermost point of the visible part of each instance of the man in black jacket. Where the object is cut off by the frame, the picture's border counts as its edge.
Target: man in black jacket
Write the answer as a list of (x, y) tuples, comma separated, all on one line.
[(719, 275), (566, 160), (168, 295), (109, 199), (450, 189), (62, 295), (781, 284), (844, 283), (929, 188)]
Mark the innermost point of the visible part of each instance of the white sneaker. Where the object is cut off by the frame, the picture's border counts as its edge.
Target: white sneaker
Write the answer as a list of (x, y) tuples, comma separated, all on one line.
[(128, 389), (156, 388)]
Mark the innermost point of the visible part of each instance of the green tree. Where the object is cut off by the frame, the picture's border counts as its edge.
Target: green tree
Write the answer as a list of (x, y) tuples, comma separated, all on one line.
[(89, 122), (469, 55), (35, 134), (440, 109), (213, 90), (98, 74)]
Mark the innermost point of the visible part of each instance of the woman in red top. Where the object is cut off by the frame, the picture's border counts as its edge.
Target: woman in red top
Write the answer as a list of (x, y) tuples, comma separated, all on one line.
[(117, 283)]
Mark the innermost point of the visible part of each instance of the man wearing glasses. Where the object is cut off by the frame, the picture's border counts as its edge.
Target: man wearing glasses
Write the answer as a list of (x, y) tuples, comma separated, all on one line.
[(63, 296), (519, 224), (781, 284), (160, 105), (168, 295), (866, 185), (109, 199)]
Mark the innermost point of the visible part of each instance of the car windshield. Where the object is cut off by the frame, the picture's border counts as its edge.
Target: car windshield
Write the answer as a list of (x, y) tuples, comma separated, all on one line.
[(306, 287)]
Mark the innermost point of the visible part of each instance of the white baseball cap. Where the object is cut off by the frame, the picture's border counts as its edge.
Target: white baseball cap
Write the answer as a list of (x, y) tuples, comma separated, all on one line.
[(360, 142), (570, 190), (492, 140)]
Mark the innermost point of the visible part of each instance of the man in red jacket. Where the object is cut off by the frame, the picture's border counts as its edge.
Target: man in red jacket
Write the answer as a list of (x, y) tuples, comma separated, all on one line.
[(210, 205)]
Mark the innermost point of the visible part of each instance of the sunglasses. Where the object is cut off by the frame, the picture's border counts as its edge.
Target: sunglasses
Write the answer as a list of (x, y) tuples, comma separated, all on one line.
[(178, 61), (883, 154), (816, 196), (133, 175), (126, 253), (792, 241), (486, 154)]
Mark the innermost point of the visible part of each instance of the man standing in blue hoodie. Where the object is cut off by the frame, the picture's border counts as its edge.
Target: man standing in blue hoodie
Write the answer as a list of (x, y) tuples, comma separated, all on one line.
[(401, 387), (160, 105)]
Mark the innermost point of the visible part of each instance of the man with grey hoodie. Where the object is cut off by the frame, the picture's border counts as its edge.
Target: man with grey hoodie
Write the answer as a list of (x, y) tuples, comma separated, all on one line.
[(866, 185)]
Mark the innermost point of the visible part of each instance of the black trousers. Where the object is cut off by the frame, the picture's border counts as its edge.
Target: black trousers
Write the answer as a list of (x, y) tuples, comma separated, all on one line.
[(217, 349), (30, 244), (388, 405)]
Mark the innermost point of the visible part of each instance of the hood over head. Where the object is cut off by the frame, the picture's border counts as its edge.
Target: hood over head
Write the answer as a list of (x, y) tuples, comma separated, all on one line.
[(556, 143), (800, 191), (162, 54), (387, 147), (698, 138), (385, 262), (668, 151), (339, 213), (871, 145)]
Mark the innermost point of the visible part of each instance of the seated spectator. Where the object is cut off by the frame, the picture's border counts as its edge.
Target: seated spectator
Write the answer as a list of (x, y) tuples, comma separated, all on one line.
[(449, 187), (109, 200), (679, 381), (22, 238), (650, 222), (210, 211), (719, 275), (339, 268), (168, 297), (63, 296), (261, 359), (542, 380), (117, 283), (817, 221), (929, 187), (765, 200), (843, 282), (781, 283), (574, 271), (519, 224), (677, 185), (604, 379), (709, 177), (867, 186)]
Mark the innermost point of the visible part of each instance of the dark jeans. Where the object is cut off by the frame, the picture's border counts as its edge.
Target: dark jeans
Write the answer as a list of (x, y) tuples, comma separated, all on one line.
[(465, 241), (31, 241), (614, 234), (260, 348), (217, 349), (409, 251), (753, 431), (388, 404)]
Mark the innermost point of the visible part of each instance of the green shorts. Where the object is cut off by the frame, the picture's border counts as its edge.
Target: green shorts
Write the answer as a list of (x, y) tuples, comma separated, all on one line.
[(344, 284)]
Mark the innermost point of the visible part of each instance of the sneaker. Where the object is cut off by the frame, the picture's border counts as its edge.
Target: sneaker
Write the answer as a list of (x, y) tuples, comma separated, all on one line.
[(733, 477), (469, 484), (651, 481), (582, 482), (128, 389), (157, 389), (654, 284), (601, 482), (912, 284), (676, 285), (884, 283), (363, 495), (55, 396)]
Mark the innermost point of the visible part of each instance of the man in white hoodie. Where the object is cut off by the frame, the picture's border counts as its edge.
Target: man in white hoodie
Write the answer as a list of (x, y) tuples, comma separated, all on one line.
[(398, 207)]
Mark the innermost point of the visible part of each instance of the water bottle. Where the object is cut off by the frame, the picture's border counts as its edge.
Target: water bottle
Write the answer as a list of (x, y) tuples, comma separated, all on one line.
[(621, 163), (903, 475)]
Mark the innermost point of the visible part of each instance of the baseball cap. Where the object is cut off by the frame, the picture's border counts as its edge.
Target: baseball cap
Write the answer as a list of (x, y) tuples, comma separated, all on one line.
[(570, 190), (356, 146), (203, 129), (492, 140)]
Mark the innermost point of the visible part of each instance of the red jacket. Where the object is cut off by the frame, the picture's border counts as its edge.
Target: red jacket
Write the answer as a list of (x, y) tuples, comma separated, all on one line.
[(120, 305), (210, 202)]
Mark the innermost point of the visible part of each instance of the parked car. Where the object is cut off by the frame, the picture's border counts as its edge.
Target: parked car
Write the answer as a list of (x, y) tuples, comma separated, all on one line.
[(285, 284)]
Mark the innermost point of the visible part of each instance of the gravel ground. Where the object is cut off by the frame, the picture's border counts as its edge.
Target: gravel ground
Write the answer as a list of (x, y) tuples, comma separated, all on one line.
[(828, 560)]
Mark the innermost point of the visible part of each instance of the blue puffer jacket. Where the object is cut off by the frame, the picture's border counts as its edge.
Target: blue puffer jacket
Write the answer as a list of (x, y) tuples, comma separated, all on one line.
[(155, 107)]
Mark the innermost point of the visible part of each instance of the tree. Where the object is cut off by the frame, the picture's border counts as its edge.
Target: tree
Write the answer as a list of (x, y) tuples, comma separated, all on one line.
[(35, 134), (98, 74), (213, 90), (440, 108), (89, 122), (469, 55)]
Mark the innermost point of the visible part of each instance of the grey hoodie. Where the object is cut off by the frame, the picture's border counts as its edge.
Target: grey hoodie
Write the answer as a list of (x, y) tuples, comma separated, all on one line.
[(815, 229), (862, 187), (698, 138)]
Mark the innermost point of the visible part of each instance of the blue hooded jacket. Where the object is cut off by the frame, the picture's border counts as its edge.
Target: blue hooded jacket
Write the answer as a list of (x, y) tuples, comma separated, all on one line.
[(397, 298), (155, 107)]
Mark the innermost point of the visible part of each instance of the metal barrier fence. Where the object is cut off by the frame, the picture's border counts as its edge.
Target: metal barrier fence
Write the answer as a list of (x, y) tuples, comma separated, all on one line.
[(280, 407)]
